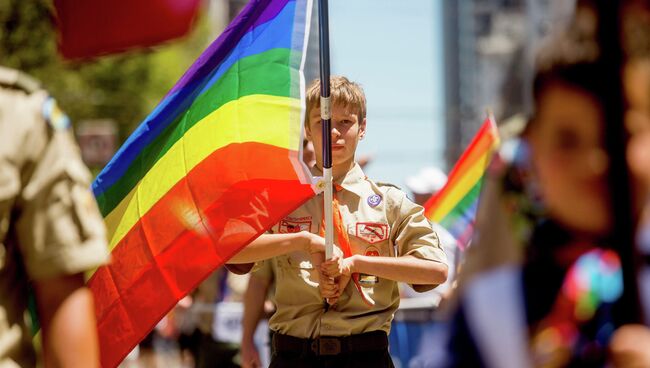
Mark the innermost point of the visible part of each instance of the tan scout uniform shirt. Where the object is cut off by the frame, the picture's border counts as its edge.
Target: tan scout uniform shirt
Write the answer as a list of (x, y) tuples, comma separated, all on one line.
[(380, 221), (49, 221)]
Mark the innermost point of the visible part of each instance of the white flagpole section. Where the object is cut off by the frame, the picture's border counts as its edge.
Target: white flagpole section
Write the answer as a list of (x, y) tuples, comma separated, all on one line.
[(328, 196)]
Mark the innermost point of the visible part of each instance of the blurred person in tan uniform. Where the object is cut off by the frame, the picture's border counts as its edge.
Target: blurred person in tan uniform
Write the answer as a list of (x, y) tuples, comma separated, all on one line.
[(195, 318), (258, 288), (389, 238), (51, 232), (259, 300), (258, 295)]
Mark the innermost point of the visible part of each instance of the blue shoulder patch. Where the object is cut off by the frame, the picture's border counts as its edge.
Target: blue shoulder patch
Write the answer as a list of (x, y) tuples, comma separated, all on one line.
[(54, 115)]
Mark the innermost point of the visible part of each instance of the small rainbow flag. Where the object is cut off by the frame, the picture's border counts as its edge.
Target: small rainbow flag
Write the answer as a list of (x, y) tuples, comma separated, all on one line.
[(454, 206), (211, 168)]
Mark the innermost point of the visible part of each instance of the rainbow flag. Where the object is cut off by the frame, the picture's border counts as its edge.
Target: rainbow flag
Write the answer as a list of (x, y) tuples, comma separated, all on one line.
[(211, 168), (454, 206)]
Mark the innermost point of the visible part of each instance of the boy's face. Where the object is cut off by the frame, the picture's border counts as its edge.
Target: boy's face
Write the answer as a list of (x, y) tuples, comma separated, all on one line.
[(347, 130), (569, 159)]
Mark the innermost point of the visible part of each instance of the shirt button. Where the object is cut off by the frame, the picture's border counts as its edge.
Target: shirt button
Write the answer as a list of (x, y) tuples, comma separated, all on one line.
[(327, 327)]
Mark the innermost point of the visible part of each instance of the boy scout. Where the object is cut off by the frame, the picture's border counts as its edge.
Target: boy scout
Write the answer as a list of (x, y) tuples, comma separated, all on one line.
[(50, 231), (389, 238)]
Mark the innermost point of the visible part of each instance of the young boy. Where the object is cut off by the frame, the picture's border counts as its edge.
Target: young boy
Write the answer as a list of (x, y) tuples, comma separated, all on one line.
[(389, 238)]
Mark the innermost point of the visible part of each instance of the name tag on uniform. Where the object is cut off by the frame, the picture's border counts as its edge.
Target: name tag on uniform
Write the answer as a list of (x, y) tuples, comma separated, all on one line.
[(372, 232)]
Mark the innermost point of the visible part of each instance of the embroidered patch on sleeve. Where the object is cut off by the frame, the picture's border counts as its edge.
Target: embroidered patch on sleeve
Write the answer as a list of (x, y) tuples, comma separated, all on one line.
[(372, 232)]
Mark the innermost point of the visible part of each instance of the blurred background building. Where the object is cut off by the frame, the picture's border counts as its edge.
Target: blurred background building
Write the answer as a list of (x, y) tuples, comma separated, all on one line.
[(489, 60)]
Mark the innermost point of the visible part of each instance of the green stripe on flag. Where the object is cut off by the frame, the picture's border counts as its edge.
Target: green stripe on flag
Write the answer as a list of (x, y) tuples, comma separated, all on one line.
[(266, 73)]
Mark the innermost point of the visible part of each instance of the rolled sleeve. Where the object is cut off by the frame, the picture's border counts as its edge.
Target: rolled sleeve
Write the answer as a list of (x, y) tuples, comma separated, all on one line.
[(263, 270), (414, 236)]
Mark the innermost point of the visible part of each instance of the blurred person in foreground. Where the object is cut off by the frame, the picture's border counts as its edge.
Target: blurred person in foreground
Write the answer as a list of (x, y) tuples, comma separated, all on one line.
[(541, 282), (258, 302), (630, 345), (51, 232)]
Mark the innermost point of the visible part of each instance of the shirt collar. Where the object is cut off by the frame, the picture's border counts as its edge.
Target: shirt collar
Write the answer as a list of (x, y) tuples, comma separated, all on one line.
[(350, 181)]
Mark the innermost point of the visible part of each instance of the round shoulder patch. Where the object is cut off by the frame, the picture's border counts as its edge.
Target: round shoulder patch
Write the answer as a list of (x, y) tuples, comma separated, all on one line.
[(374, 200), (54, 115)]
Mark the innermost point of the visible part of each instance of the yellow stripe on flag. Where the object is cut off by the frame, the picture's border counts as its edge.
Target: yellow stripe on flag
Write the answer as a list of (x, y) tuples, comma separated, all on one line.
[(235, 122)]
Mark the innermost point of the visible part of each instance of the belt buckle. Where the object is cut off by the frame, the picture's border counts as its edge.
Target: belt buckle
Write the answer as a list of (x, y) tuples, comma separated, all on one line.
[(329, 346)]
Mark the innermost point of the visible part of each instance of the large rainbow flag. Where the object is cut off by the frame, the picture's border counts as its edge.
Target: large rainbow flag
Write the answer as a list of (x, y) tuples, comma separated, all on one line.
[(214, 165), (454, 206)]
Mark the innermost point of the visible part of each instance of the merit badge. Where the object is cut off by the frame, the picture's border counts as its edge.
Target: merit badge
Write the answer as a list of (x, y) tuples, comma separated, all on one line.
[(295, 225), (374, 200), (372, 232)]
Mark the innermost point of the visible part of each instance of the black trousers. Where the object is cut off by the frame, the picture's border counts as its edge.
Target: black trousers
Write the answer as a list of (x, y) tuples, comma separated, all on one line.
[(366, 355)]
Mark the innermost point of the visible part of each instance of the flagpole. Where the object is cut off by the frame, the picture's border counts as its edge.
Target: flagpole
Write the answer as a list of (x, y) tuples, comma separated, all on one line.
[(326, 116)]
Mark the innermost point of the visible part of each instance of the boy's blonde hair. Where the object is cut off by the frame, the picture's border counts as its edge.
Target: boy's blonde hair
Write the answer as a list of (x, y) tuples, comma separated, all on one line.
[(342, 92)]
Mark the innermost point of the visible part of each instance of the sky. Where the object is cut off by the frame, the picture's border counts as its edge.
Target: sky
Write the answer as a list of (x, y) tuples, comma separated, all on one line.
[(394, 49)]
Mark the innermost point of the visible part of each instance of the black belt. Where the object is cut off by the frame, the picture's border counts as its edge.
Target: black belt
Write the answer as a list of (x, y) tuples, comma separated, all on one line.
[(331, 345)]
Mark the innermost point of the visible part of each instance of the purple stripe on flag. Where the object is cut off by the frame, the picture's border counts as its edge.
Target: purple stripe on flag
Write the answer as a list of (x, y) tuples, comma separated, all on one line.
[(249, 18), (270, 12)]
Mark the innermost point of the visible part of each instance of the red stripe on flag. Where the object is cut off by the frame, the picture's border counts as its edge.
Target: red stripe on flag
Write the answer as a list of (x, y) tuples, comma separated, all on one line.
[(170, 251)]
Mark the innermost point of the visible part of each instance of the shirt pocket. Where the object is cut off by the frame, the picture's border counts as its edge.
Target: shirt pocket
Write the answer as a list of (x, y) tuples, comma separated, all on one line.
[(370, 238), (299, 280)]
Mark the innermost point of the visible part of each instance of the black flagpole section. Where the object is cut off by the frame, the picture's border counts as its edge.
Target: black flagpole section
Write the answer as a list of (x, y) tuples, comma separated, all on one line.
[(324, 43), (326, 121), (623, 232)]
